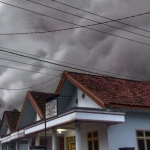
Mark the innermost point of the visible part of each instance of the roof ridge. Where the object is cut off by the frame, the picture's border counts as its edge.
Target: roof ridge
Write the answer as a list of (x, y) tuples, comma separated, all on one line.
[(39, 92), (11, 112), (107, 76)]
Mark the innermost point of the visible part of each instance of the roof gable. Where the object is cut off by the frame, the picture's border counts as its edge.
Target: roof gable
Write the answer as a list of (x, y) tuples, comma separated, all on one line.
[(37, 102), (9, 121), (86, 90), (110, 91)]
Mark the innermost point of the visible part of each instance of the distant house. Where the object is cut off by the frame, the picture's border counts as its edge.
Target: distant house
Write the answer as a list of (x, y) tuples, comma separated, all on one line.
[(8, 126), (87, 112)]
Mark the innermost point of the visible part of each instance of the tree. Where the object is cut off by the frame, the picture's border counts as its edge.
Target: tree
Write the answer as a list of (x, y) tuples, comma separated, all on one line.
[(15, 110)]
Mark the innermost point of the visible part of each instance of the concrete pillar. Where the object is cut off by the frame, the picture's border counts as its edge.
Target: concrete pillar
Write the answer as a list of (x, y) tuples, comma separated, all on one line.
[(37, 140), (54, 139), (17, 145), (78, 135), (29, 143)]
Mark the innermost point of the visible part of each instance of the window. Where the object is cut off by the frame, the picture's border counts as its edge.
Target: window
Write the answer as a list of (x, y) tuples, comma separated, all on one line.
[(143, 140), (92, 138)]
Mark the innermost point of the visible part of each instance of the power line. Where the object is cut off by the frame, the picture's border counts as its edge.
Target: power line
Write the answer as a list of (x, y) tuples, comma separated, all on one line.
[(62, 64), (88, 19), (44, 61), (49, 85), (30, 64), (64, 29), (31, 86), (78, 25), (111, 20), (25, 70), (68, 63)]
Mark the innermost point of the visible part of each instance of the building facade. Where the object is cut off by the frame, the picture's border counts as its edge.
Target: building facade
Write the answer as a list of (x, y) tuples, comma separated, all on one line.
[(86, 112)]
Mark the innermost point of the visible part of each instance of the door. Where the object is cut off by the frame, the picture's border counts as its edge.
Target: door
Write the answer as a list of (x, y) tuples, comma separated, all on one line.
[(72, 146), (61, 143)]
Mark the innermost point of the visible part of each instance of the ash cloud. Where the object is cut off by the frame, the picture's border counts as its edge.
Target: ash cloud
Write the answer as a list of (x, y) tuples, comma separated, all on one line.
[(78, 46)]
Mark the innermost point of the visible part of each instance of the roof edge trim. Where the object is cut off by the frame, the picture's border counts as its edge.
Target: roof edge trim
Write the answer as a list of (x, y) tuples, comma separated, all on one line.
[(35, 105), (128, 106)]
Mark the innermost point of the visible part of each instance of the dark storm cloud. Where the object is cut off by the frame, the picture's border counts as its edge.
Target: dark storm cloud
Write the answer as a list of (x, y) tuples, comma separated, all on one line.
[(79, 46)]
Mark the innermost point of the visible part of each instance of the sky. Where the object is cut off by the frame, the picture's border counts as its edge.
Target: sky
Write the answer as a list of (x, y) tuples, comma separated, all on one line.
[(79, 46)]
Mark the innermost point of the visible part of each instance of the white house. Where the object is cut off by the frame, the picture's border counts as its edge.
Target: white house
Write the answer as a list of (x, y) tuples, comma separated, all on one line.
[(90, 113)]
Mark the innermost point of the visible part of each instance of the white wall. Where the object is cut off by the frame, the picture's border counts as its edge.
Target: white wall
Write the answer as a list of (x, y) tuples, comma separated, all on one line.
[(8, 131), (37, 117), (23, 146), (124, 135), (86, 102)]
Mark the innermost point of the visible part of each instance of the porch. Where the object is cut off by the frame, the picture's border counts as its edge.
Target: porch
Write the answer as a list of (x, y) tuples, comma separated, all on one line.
[(75, 129)]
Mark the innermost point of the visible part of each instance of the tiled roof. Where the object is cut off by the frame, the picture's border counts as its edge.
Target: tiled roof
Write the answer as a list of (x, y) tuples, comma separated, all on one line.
[(12, 119), (114, 90), (39, 98)]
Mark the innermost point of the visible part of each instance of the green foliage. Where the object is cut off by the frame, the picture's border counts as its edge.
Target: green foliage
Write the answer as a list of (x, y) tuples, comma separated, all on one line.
[(15, 110)]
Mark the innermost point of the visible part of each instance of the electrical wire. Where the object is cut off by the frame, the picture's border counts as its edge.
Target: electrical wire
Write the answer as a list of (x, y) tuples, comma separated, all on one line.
[(69, 63), (111, 20), (77, 24), (89, 19), (45, 61), (26, 70), (24, 88), (45, 67), (49, 85), (83, 70), (64, 29)]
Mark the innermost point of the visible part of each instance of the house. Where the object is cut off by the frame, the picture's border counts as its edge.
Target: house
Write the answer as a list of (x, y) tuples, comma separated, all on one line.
[(87, 112), (8, 126)]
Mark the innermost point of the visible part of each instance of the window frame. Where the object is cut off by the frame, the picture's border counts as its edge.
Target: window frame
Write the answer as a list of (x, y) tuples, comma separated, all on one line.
[(93, 139), (144, 138)]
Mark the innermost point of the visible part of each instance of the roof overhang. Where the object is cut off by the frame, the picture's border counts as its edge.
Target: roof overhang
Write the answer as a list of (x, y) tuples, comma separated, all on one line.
[(80, 114), (13, 136)]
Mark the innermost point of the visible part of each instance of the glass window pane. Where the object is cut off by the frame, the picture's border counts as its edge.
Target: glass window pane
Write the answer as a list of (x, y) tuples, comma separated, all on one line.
[(139, 133), (148, 144), (147, 133), (90, 145), (89, 135), (96, 145), (95, 134), (141, 144)]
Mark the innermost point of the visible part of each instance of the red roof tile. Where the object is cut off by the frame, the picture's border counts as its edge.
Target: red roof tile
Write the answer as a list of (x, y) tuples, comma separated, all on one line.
[(114, 90), (12, 119)]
